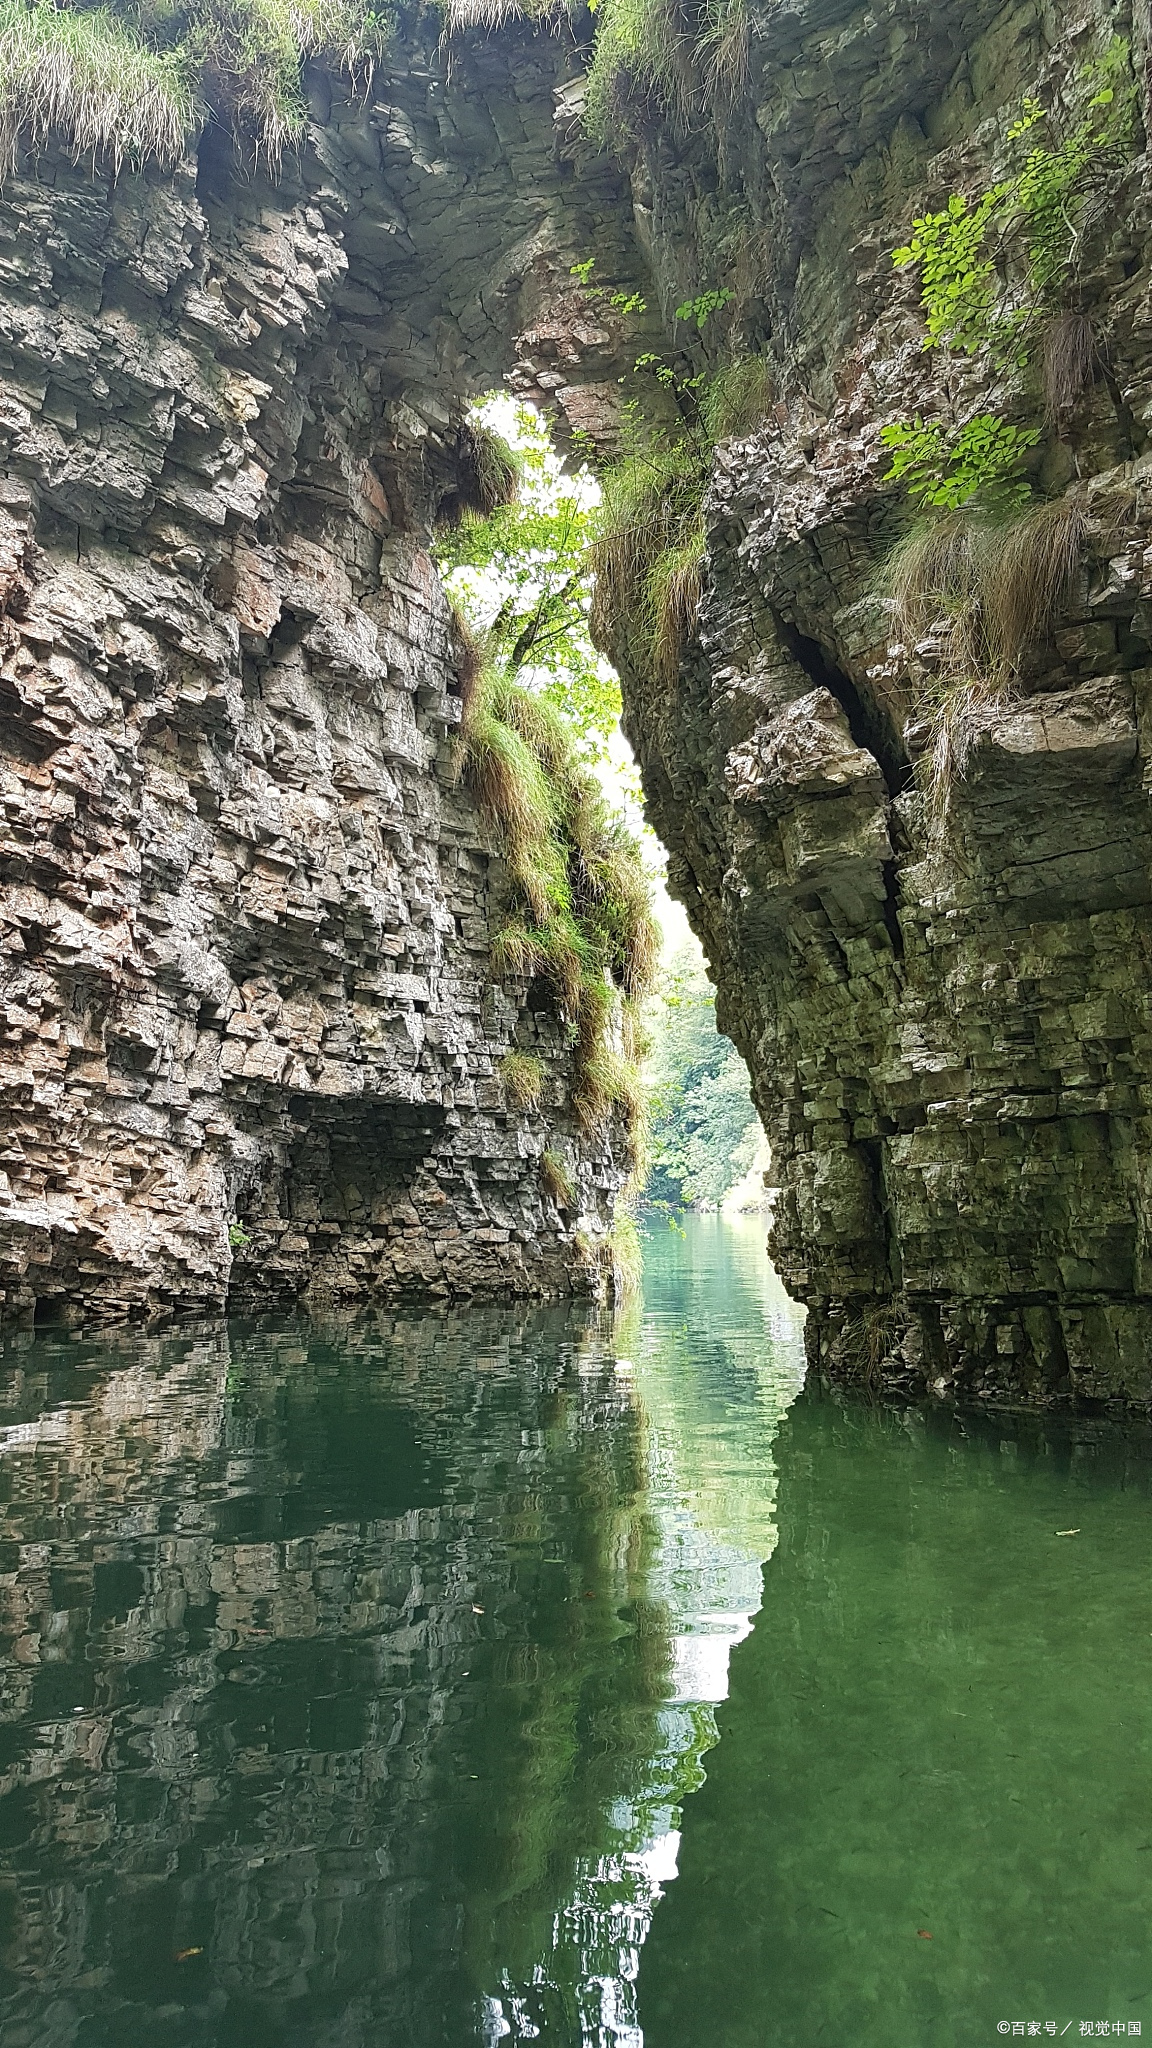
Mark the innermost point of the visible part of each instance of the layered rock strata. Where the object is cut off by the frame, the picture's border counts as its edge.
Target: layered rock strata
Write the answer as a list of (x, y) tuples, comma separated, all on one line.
[(946, 1011), (252, 1040)]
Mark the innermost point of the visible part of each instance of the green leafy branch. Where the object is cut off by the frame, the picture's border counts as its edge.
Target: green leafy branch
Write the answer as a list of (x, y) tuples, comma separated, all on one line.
[(1048, 203), (701, 308), (944, 467)]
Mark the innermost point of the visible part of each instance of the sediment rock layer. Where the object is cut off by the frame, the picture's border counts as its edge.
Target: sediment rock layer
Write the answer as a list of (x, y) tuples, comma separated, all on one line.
[(946, 1012), (252, 1039), (249, 914)]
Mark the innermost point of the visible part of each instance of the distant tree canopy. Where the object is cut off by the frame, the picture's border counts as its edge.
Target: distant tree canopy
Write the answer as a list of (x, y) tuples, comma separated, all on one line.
[(521, 578), (704, 1129)]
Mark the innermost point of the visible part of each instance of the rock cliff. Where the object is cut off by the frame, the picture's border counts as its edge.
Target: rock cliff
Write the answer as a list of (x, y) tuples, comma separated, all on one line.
[(252, 1039), (945, 1008), (250, 913)]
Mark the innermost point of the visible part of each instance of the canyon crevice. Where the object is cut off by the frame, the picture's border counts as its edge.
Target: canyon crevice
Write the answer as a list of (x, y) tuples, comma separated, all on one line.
[(250, 912)]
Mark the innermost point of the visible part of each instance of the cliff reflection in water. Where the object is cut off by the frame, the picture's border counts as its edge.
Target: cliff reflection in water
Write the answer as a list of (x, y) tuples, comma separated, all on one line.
[(352, 1677)]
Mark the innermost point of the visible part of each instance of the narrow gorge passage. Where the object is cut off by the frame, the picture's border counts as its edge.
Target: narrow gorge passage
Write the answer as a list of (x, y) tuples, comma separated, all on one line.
[(872, 569), (464, 465)]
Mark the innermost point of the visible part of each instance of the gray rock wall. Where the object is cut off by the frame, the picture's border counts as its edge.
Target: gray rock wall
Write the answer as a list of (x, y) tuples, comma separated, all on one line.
[(946, 1019), (247, 912)]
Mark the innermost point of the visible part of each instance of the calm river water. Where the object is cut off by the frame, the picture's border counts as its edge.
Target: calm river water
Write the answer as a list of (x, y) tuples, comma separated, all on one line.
[(430, 1680)]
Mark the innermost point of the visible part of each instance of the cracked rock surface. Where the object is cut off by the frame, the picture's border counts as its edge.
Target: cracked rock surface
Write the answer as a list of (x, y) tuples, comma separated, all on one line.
[(947, 1014), (251, 1037)]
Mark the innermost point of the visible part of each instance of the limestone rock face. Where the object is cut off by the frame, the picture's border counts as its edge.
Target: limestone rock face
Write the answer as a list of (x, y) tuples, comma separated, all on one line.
[(252, 1039), (944, 1004)]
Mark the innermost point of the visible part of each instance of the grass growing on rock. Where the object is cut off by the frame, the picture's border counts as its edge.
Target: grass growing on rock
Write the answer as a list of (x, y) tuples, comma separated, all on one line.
[(990, 593), (648, 552), (583, 919), (487, 475), (556, 1180), (996, 586), (133, 81), (522, 1078), (642, 59), (88, 79)]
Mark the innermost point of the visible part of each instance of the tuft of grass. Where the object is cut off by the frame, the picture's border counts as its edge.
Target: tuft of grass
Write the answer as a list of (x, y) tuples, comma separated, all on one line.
[(135, 80), (647, 553), (615, 903), (1030, 578), (585, 923), (642, 61), (1068, 359), (933, 577), (724, 49), (487, 475), (998, 587), (87, 79), (996, 590), (739, 398), (675, 586), (491, 14), (522, 1078), (556, 1180), (518, 800)]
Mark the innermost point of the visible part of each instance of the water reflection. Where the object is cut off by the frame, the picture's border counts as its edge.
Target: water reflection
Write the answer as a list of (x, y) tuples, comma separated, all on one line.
[(353, 1678)]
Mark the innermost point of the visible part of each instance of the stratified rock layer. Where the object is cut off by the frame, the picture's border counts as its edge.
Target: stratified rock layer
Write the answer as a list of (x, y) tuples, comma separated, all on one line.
[(252, 1039), (250, 914), (946, 1012)]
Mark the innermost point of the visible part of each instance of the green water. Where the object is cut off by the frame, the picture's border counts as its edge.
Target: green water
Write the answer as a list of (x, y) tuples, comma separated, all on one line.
[(418, 1681)]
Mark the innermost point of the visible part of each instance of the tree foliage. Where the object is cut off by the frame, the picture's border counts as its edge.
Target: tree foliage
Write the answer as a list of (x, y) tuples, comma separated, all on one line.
[(521, 579), (945, 467), (704, 1131)]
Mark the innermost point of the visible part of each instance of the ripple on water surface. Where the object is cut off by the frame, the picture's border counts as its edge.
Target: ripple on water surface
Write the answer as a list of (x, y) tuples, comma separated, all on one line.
[(356, 1678)]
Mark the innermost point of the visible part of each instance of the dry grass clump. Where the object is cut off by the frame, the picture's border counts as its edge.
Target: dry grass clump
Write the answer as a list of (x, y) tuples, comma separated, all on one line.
[(725, 49), (1068, 359), (556, 1180), (997, 587), (489, 14), (991, 593), (86, 79), (522, 1078), (933, 578), (675, 586), (1030, 581)]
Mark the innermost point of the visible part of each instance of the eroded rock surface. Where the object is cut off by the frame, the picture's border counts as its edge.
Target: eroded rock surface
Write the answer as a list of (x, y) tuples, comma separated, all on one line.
[(946, 1015), (247, 910)]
